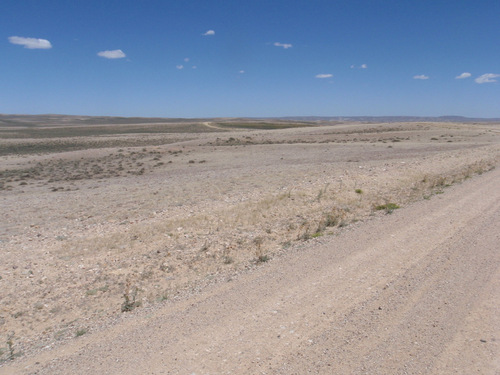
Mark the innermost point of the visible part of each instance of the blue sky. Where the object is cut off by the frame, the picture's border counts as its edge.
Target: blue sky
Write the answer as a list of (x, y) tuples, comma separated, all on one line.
[(209, 58)]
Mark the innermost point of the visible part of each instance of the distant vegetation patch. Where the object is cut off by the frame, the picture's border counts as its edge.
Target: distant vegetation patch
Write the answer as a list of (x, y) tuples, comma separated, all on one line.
[(61, 145), (263, 125), (102, 130)]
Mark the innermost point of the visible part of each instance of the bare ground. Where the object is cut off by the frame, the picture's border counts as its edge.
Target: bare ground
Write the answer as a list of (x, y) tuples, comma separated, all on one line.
[(348, 288)]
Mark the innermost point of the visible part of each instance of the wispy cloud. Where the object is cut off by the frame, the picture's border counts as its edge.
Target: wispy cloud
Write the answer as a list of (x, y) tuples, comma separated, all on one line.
[(284, 45), (242, 72), (114, 54), (209, 32), (463, 75), (179, 67), (487, 78), (30, 43), (328, 75), (364, 66), (186, 59), (421, 76)]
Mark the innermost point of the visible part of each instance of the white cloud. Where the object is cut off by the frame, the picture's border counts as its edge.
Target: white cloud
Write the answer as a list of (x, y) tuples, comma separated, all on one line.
[(209, 32), (114, 54), (324, 75), (364, 66), (186, 59), (487, 78), (284, 45), (352, 66), (421, 76), (194, 66), (30, 43), (179, 67), (463, 75), (241, 71)]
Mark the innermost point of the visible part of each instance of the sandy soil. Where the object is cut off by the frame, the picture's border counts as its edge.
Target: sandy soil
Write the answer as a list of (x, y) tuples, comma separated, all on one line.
[(256, 252)]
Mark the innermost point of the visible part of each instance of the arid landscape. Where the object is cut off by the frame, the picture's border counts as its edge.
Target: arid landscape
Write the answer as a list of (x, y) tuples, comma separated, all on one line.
[(109, 224)]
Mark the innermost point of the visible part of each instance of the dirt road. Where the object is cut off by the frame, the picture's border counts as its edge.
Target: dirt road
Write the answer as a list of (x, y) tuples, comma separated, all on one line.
[(414, 292)]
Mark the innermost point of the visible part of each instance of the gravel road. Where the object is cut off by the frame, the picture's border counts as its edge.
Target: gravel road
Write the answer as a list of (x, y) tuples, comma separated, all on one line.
[(414, 292)]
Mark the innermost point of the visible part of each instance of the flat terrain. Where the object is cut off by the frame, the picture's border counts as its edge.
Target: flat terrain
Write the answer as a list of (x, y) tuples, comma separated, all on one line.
[(239, 247)]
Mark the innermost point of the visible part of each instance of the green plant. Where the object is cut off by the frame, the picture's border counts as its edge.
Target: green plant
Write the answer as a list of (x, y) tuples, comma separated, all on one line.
[(388, 207), (261, 257), (306, 235), (322, 192), (331, 220), (130, 296), (358, 191), (104, 288), (321, 228), (10, 346), (226, 258), (162, 297), (80, 332), (343, 224), (258, 241)]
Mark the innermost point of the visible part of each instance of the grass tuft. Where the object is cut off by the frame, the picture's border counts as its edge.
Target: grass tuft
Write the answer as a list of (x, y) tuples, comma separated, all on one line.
[(80, 332), (388, 207), (130, 296)]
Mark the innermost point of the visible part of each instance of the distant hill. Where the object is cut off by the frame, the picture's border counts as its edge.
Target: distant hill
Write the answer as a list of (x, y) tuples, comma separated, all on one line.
[(389, 119), (67, 120), (64, 120)]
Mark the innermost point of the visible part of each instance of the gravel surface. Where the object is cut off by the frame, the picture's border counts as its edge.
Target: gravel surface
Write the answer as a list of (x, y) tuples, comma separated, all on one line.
[(414, 292)]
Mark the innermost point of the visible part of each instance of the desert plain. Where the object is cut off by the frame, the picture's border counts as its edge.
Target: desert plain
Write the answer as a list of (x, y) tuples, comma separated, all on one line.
[(111, 229)]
